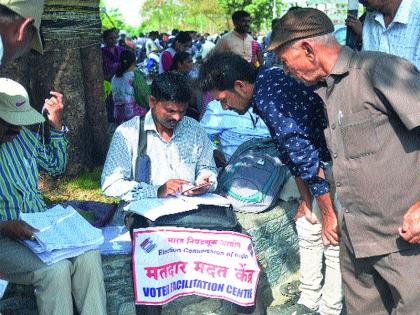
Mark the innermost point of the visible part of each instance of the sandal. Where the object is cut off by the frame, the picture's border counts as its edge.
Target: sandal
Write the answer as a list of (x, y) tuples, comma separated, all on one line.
[(290, 289)]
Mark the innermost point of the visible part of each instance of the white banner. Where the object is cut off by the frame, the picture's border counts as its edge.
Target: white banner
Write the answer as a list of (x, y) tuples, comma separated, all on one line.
[(170, 262)]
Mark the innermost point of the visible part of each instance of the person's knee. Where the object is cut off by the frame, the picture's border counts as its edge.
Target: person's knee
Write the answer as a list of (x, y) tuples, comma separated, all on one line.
[(55, 274), (90, 262)]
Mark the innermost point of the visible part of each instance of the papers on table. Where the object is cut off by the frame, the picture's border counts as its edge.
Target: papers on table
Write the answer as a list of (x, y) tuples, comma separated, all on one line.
[(63, 233), (116, 240), (153, 208)]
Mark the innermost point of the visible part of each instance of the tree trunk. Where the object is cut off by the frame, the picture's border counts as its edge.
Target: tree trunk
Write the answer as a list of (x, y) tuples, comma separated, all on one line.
[(72, 65)]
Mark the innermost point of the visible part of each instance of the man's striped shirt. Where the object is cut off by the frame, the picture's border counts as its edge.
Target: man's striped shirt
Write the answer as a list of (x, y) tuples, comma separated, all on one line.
[(20, 161)]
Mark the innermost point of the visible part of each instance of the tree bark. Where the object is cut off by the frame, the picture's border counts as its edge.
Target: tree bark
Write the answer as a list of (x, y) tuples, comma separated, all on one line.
[(72, 65)]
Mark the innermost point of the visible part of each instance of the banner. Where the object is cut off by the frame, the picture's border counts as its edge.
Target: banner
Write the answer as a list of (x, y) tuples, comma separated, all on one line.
[(169, 262)]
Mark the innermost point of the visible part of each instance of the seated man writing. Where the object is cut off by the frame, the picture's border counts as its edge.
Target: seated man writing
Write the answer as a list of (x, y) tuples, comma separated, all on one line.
[(22, 153), (179, 150)]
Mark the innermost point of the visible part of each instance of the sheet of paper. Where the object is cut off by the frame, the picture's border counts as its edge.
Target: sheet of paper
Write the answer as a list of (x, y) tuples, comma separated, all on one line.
[(3, 287), (207, 199), (61, 228), (116, 240), (50, 258), (153, 208)]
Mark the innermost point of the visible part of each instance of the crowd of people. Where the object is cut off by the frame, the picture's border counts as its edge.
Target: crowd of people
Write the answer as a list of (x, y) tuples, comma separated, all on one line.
[(345, 123)]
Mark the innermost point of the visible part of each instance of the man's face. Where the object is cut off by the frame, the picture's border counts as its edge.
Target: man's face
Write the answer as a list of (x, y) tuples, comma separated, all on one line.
[(242, 25), (167, 114), (232, 100), (17, 38), (297, 63), (181, 47), (373, 4), (111, 40), (8, 132), (186, 66)]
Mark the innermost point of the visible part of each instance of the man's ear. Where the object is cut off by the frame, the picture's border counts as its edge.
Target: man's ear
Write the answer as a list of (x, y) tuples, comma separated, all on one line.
[(241, 87), (309, 51), (25, 24), (152, 101)]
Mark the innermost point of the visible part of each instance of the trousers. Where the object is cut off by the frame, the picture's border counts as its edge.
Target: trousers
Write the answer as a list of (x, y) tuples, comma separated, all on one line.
[(321, 292), (56, 285)]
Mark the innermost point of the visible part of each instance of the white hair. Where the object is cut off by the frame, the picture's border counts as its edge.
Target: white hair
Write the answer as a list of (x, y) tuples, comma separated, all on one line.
[(324, 40)]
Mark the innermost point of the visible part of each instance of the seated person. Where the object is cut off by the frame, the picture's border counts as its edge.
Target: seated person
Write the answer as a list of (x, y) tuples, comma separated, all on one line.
[(22, 153), (179, 150), (231, 129)]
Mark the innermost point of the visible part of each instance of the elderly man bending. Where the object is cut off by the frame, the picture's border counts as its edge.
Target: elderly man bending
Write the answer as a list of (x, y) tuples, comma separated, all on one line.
[(373, 104)]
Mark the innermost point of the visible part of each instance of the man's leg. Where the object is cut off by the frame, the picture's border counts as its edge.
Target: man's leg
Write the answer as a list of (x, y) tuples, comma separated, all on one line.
[(52, 283), (402, 273), (310, 251), (365, 291), (88, 283), (332, 293)]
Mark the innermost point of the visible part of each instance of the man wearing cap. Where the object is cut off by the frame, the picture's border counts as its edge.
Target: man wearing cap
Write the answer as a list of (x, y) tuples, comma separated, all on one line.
[(295, 120), (19, 28), (22, 153), (373, 104)]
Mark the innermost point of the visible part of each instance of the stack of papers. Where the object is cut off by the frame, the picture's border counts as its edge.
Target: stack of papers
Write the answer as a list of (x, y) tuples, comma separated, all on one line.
[(153, 208), (63, 233), (116, 240)]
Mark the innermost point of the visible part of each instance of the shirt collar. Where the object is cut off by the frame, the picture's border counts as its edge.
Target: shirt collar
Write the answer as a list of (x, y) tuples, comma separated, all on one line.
[(149, 124), (239, 35), (402, 16), (340, 68)]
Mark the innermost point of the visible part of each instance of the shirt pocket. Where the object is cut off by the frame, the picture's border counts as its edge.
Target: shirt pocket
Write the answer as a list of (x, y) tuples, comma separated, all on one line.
[(359, 135)]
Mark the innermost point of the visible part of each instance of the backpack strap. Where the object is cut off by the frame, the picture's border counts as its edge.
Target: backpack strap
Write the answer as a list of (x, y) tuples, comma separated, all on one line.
[(142, 138), (142, 171)]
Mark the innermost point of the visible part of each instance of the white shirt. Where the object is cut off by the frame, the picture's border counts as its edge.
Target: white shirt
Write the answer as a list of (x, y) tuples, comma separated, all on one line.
[(400, 38), (187, 155), (231, 128)]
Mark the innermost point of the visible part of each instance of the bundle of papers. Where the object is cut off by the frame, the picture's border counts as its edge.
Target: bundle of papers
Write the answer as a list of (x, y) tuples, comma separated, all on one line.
[(116, 240), (153, 208), (63, 233)]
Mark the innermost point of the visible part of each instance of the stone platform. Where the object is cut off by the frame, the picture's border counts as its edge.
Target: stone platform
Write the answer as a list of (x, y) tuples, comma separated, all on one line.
[(275, 242)]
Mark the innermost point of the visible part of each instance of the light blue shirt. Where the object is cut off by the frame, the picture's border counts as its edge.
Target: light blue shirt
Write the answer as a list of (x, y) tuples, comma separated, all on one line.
[(400, 38), (230, 128), (187, 155)]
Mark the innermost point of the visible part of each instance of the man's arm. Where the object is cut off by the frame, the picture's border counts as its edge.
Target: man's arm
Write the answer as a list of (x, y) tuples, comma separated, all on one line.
[(16, 230), (206, 171), (330, 233), (52, 157)]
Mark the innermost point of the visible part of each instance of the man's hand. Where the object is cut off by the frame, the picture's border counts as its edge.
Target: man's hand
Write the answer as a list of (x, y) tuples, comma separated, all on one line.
[(53, 107), (355, 24), (410, 228), (305, 211), (330, 233), (17, 230), (171, 187)]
